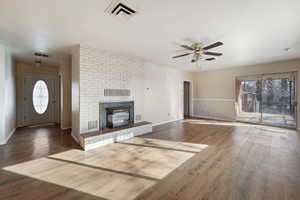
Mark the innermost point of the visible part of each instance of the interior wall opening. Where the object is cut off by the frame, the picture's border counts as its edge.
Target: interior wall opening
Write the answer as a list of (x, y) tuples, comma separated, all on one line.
[(186, 99)]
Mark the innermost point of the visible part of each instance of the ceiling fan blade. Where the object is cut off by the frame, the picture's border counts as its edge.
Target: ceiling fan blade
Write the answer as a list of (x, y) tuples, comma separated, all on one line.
[(186, 54), (210, 59), (187, 47), (213, 45), (212, 53)]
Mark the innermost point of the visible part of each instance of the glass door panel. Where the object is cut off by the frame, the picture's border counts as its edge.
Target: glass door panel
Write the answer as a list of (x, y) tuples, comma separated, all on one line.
[(279, 101), (249, 99)]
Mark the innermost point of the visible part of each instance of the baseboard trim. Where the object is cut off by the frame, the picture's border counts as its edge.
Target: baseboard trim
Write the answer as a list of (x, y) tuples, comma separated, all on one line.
[(213, 99), (9, 136), (65, 128), (75, 138), (100, 144), (165, 122), (214, 118)]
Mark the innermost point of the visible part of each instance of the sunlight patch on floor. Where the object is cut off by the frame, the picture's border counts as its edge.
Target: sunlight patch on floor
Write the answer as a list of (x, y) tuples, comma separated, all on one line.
[(165, 144), (113, 172), (218, 123), (237, 124)]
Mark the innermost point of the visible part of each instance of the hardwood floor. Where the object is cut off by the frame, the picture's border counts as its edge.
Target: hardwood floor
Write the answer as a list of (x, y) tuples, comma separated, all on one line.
[(225, 161), (31, 143)]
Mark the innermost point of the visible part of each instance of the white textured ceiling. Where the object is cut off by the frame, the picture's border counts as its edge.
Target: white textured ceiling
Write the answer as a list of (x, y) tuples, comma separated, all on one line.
[(253, 31)]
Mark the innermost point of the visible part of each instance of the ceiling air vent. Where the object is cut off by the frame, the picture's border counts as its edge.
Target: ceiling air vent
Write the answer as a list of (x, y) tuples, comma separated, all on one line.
[(120, 9)]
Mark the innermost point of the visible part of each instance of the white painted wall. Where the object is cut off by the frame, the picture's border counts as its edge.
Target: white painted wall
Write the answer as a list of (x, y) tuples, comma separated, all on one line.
[(163, 93), (2, 92), (8, 95), (75, 93)]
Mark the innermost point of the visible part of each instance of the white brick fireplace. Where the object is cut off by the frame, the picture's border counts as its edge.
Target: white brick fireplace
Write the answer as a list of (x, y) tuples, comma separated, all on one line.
[(95, 71)]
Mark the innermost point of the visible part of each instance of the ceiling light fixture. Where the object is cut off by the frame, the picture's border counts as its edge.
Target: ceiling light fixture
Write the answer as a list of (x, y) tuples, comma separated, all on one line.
[(39, 56), (38, 63)]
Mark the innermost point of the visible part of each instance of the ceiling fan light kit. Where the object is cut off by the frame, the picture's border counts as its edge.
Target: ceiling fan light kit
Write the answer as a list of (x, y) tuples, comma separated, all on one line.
[(199, 51)]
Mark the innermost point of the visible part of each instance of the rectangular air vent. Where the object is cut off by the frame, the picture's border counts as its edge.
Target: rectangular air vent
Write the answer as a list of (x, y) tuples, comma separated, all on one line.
[(116, 92), (92, 124), (120, 9)]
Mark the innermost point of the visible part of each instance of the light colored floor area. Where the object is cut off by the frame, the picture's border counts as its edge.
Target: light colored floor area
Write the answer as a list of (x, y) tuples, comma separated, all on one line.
[(113, 172)]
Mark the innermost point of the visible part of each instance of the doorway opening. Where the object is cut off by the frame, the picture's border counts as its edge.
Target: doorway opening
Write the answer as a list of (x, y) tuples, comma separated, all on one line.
[(268, 99), (187, 99)]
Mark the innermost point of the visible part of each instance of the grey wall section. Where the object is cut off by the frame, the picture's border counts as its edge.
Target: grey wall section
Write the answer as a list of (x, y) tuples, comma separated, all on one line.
[(8, 95)]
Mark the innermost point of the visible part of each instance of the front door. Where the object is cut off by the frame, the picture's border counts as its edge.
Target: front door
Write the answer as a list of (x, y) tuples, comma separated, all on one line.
[(40, 99)]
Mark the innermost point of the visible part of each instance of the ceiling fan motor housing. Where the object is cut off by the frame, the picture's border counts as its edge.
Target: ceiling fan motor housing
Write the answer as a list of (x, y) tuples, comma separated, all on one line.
[(196, 57)]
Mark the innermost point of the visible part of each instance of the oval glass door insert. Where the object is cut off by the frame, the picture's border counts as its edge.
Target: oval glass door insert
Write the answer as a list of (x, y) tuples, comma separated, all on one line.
[(40, 97)]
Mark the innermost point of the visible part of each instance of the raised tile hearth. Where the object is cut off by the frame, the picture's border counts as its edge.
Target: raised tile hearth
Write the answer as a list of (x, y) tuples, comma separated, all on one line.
[(103, 137), (116, 124)]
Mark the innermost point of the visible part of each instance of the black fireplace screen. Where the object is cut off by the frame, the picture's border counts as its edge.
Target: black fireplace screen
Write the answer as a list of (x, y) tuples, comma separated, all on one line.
[(116, 114)]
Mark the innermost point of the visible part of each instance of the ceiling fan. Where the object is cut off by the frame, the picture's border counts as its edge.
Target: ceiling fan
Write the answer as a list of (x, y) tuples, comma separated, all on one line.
[(199, 51)]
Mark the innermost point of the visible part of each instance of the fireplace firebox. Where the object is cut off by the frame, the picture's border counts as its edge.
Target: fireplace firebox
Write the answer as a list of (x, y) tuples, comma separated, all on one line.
[(117, 117), (116, 114)]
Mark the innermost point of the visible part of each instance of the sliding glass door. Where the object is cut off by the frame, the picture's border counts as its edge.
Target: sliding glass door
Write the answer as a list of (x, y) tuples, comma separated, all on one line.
[(267, 99), (250, 99)]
